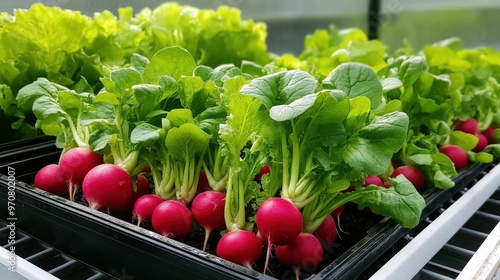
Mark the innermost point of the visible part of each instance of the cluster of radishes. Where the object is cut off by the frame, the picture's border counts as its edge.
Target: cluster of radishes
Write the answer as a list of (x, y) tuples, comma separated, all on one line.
[(455, 153), (104, 186), (108, 187), (292, 246)]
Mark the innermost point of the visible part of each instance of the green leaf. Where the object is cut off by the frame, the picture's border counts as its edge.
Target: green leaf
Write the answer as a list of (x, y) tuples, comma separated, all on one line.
[(390, 84), (410, 70), (139, 62), (280, 88), (329, 107), (465, 140), (30, 92), (480, 157), (178, 117), (186, 141), (371, 148), (144, 135), (356, 79), (290, 111), (358, 114), (99, 139), (401, 202), (171, 61)]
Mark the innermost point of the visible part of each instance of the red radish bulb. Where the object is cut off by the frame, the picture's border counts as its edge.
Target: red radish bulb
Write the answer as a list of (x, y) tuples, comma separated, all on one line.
[(413, 174), (50, 179), (457, 155), (75, 164), (280, 221), (327, 231), (172, 219), (203, 182), (108, 187), (240, 246), (142, 186), (481, 144), (208, 211), (305, 253), (468, 126), (373, 180), (489, 133), (264, 170), (144, 207)]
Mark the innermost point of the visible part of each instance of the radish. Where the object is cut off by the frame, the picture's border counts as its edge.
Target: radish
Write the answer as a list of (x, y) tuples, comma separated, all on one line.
[(413, 174), (208, 211), (468, 126), (481, 144), (50, 179), (75, 164), (305, 252), (142, 186), (373, 180), (456, 154), (279, 221), (203, 182), (327, 231), (489, 133), (240, 246), (172, 219), (264, 170), (108, 187), (144, 207)]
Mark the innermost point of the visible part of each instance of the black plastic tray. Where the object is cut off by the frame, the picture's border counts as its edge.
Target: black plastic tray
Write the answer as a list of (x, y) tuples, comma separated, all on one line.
[(111, 244)]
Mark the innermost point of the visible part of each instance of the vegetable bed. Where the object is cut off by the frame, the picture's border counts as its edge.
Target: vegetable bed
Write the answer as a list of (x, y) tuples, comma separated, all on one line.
[(133, 251), (276, 163)]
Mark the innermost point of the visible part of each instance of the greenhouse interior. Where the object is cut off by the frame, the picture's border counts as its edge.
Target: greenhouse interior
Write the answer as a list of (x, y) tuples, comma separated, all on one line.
[(338, 139)]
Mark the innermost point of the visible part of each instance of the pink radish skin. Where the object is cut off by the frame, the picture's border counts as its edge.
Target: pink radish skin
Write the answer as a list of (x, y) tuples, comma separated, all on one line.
[(208, 211), (373, 180), (468, 126), (413, 174), (481, 144), (327, 231), (279, 221), (108, 187), (305, 253), (50, 179), (172, 219), (144, 207), (457, 155), (75, 164), (489, 133), (240, 246), (142, 187)]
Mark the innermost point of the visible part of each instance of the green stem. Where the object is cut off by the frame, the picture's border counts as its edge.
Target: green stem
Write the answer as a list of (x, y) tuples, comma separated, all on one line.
[(286, 155), (74, 131), (295, 160)]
